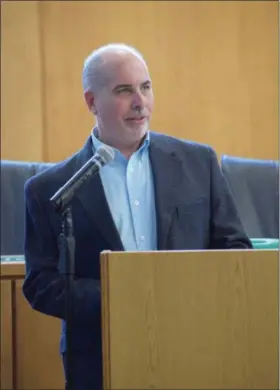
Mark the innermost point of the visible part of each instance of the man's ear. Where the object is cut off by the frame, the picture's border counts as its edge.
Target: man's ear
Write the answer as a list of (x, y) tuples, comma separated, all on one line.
[(89, 98)]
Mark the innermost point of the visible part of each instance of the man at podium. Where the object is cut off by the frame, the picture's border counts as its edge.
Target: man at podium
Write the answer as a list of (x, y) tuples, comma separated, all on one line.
[(157, 193)]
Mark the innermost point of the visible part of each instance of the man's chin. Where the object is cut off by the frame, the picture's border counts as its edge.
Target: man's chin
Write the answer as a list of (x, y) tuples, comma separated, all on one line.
[(140, 128)]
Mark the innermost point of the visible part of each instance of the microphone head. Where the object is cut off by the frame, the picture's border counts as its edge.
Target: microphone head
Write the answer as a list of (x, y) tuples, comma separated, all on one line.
[(106, 153)]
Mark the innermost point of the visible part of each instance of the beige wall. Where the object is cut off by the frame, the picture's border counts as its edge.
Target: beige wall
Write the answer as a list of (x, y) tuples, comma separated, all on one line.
[(213, 64)]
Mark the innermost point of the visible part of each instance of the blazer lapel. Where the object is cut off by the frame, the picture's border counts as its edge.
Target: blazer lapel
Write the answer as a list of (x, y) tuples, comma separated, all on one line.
[(167, 173), (93, 200)]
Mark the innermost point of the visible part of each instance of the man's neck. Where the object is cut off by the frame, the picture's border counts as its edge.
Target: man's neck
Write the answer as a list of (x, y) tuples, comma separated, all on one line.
[(126, 150)]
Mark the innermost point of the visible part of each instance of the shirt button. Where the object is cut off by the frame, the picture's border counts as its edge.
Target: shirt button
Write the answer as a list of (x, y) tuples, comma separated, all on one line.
[(142, 238), (136, 203), (131, 170)]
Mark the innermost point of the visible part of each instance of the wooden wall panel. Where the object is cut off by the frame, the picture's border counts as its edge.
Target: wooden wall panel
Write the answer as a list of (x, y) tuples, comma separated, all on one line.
[(30, 357), (6, 366), (213, 64), (21, 88)]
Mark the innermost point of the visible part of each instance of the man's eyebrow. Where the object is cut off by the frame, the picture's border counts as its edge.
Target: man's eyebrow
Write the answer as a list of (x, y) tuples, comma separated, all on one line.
[(121, 86)]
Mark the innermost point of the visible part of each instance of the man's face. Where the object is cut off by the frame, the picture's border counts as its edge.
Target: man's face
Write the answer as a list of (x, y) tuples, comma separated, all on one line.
[(124, 105)]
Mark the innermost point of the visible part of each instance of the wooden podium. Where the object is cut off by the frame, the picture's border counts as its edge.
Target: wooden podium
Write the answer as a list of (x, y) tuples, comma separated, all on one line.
[(190, 319)]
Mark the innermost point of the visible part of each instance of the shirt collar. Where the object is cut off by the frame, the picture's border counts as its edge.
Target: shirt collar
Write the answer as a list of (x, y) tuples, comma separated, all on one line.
[(97, 143)]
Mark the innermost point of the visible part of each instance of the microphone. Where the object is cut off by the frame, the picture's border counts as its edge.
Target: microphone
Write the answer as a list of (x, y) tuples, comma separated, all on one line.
[(64, 195)]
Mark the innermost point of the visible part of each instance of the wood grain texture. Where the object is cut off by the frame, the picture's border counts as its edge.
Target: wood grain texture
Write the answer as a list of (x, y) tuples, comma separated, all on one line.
[(214, 67), (6, 367), (36, 338), (196, 320), (12, 270), (106, 323), (22, 108)]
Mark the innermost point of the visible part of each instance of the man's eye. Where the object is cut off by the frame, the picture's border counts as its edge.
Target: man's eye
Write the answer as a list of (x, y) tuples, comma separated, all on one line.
[(147, 87), (123, 90)]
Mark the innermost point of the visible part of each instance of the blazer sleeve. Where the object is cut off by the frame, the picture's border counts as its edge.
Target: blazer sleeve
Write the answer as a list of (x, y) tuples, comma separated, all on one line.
[(44, 285), (227, 231)]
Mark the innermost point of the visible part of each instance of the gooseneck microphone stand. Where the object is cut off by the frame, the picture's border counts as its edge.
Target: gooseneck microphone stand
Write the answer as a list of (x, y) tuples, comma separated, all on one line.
[(61, 202), (67, 261)]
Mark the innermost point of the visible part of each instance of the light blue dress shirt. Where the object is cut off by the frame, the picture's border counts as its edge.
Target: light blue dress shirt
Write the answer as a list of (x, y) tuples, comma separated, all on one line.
[(129, 189)]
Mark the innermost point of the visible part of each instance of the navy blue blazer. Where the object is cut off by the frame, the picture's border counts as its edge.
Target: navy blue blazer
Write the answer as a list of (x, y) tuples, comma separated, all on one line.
[(194, 209)]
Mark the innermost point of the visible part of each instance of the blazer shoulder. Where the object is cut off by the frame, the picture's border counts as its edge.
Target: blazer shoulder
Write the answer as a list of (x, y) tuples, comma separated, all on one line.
[(51, 178), (182, 145)]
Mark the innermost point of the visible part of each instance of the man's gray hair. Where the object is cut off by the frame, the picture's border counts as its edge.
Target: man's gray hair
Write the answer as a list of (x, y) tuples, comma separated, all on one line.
[(93, 75)]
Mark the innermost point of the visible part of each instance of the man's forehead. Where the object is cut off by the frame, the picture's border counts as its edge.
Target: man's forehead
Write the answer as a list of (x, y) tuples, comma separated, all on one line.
[(130, 75), (133, 82), (126, 71)]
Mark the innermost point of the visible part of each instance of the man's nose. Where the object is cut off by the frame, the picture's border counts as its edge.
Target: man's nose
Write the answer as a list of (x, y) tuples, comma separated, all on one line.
[(137, 102)]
